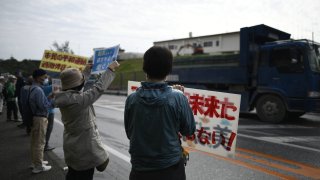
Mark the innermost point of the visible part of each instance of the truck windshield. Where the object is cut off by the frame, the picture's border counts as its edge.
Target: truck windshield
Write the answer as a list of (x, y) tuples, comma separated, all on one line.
[(315, 58)]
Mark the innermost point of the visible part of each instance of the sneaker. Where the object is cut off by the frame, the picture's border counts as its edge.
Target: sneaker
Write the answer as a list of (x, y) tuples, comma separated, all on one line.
[(41, 169), (48, 148), (43, 163)]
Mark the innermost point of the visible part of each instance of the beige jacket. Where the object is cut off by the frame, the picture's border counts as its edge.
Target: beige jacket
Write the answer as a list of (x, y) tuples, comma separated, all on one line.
[(81, 140)]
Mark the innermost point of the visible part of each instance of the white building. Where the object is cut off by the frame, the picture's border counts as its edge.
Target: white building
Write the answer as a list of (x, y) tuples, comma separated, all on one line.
[(211, 44)]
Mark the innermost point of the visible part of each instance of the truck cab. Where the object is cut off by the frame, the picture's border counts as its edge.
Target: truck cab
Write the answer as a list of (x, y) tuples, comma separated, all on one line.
[(288, 80)]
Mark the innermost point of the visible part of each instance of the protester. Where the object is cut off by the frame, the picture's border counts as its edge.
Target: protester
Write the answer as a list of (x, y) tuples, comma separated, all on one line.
[(24, 100), (154, 116), (83, 150), (47, 89), (39, 105), (11, 99), (1, 93)]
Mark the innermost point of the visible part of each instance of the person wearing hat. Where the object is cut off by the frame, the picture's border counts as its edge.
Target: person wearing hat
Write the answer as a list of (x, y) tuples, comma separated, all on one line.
[(1, 93), (39, 105), (11, 99), (82, 146)]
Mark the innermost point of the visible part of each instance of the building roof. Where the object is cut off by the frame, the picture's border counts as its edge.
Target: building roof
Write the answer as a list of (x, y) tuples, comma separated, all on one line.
[(197, 37)]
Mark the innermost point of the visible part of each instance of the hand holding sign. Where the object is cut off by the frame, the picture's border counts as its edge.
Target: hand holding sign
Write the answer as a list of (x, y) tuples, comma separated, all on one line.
[(114, 65)]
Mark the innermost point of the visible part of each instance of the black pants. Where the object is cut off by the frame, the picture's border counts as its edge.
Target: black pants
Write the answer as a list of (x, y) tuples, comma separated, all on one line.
[(175, 172), (49, 128), (79, 175), (19, 107), (12, 108)]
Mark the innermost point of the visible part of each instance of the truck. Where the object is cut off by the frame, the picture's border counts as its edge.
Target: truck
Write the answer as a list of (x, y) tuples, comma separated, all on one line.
[(276, 76)]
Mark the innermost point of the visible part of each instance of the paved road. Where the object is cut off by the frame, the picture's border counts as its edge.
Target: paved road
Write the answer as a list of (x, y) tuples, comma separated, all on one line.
[(290, 150)]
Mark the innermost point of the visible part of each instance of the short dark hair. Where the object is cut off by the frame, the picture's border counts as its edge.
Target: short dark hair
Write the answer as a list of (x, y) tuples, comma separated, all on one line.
[(157, 62), (38, 72)]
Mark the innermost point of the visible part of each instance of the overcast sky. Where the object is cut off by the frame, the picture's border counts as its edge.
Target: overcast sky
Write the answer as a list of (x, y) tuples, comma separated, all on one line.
[(28, 27)]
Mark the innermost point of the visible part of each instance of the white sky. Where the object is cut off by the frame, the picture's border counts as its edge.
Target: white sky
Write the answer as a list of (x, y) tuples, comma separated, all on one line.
[(28, 27)]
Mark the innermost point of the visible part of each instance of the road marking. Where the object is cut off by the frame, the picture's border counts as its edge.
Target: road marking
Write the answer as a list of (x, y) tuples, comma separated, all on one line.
[(269, 161), (247, 165), (108, 148), (274, 126), (296, 167), (116, 153), (110, 107), (277, 141)]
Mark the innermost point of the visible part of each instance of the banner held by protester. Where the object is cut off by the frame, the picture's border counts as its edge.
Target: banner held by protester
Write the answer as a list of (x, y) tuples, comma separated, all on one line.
[(216, 115), (58, 61), (103, 57)]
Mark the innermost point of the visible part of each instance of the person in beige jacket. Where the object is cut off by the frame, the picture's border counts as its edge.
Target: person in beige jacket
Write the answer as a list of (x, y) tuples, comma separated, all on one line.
[(83, 150)]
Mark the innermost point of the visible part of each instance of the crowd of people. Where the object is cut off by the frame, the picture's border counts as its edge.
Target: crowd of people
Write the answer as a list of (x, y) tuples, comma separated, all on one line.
[(155, 117), (15, 93)]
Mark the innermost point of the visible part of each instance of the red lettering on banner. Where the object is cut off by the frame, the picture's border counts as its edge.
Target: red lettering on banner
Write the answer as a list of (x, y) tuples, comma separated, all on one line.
[(59, 57), (134, 88), (77, 61), (196, 103), (51, 65), (54, 56), (65, 57), (203, 136), (227, 105), (47, 55), (219, 137), (44, 65), (71, 59), (212, 106), (62, 67), (57, 66)]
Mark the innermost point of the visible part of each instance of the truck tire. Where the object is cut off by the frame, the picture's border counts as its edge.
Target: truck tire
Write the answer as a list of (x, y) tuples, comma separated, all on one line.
[(270, 108)]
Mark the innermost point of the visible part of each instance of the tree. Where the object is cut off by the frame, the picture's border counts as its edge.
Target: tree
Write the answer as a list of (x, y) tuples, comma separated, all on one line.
[(64, 47)]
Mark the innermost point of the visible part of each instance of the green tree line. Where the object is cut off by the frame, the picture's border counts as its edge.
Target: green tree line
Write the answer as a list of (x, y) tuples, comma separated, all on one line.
[(12, 66)]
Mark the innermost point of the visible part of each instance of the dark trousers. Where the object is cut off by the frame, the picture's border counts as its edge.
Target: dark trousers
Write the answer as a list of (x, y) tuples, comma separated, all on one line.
[(12, 108), (19, 107), (175, 172), (49, 128), (79, 175)]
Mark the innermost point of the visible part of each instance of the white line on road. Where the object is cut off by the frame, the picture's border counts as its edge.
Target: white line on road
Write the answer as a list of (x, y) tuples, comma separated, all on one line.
[(110, 107), (117, 153), (274, 140), (108, 148)]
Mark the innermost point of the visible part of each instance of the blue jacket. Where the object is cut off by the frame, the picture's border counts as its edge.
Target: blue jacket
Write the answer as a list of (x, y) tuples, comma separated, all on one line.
[(39, 103), (47, 89), (154, 115)]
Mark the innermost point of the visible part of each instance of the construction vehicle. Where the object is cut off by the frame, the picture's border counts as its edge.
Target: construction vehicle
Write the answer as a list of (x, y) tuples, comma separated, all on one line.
[(277, 76)]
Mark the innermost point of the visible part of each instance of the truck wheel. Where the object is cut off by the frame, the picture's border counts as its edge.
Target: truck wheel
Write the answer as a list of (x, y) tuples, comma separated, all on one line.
[(271, 109)]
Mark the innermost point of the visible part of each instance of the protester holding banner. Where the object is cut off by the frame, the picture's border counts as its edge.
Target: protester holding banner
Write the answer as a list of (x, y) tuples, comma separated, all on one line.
[(154, 116), (83, 150)]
